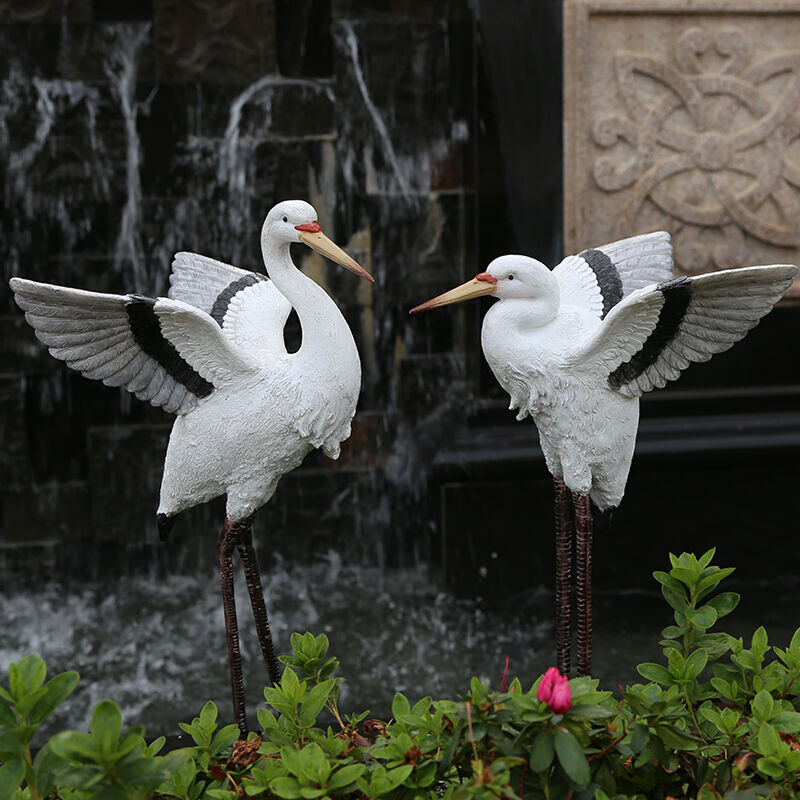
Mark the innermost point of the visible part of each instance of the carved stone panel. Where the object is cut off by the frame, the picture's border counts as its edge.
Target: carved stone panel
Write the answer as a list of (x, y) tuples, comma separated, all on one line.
[(684, 115)]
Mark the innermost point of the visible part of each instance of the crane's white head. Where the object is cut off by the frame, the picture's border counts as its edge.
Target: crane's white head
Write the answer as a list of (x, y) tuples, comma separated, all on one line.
[(296, 221), (508, 278)]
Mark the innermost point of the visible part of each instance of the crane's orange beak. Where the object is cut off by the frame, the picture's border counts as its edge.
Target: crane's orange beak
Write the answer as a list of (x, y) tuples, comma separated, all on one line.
[(312, 235), (484, 283)]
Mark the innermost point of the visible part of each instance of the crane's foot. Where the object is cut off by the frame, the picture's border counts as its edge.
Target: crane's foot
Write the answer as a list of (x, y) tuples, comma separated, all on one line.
[(247, 554), (583, 535), (563, 518), (227, 541)]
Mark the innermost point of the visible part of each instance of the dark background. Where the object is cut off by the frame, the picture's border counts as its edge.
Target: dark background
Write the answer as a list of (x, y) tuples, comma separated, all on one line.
[(428, 136)]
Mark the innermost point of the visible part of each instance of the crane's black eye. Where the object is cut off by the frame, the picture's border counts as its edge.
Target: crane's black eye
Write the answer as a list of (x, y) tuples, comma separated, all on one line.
[(511, 277), (286, 219)]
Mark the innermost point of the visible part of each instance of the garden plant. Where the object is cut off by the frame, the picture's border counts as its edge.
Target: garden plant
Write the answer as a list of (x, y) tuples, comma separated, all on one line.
[(716, 719)]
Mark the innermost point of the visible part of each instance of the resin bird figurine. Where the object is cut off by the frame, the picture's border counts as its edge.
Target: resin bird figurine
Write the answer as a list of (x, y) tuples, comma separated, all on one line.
[(575, 348), (213, 353)]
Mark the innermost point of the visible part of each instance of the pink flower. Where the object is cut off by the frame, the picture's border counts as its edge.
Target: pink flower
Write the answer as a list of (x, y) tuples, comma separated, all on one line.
[(561, 700), (554, 690), (545, 690)]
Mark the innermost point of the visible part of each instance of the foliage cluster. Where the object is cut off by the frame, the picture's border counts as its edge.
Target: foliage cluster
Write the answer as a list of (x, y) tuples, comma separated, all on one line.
[(716, 719)]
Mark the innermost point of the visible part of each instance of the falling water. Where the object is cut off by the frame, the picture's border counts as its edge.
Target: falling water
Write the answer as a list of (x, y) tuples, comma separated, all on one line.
[(121, 68), (351, 43)]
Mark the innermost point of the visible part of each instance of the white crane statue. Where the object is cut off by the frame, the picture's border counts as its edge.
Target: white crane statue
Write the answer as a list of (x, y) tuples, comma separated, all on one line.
[(576, 346), (213, 353)]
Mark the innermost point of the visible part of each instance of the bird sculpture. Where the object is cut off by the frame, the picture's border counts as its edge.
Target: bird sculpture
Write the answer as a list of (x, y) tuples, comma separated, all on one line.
[(212, 352), (575, 347)]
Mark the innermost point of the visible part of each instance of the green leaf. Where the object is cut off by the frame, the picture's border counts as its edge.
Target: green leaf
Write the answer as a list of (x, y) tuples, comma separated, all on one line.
[(715, 644), (6, 714), (762, 705), (29, 700), (674, 737), (208, 716), (665, 579), (11, 775), (345, 776), (677, 666), (675, 598), (771, 767), (684, 575), (768, 740), (542, 751), (400, 705), (10, 743), (787, 721), (695, 664), (315, 701), (106, 725), (571, 757), (57, 690), (705, 559), (291, 686), (285, 787), (655, 673), (32, 671), (759, 643), (703, 617)]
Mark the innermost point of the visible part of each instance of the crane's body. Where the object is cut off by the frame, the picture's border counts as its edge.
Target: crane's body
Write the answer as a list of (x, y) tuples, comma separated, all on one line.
[(576, 346), (242, 438), (213, 353), (587, 431)]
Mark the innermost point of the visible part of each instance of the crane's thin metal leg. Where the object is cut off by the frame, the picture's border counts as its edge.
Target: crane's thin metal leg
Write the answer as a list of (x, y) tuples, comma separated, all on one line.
[(227, 541), (563, 514), (583, 529), (250, 563)]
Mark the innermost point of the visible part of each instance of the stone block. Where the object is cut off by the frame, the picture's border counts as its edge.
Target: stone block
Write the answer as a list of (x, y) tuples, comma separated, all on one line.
[(15, 465), (49, 513), (216, 41), (37, 11), (684, 115), (125, 466)]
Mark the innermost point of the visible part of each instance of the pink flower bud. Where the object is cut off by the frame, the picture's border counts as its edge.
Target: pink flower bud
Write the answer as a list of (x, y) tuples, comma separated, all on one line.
[(561, 697), (548, 682)]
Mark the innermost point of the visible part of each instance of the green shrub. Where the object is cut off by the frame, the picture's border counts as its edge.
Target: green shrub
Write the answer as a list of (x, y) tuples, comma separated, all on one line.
[(716, 719)]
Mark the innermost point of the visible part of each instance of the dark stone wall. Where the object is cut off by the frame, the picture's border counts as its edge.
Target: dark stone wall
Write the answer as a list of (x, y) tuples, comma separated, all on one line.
[(130, 130), (427, 134)]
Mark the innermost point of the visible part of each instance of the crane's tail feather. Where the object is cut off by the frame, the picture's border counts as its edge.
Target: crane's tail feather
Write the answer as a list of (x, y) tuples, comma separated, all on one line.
[(165, 523)]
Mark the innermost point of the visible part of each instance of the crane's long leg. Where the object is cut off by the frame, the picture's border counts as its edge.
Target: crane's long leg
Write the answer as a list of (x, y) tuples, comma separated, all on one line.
[(250, 563), (583, 531), (227, 541), (563, 514)]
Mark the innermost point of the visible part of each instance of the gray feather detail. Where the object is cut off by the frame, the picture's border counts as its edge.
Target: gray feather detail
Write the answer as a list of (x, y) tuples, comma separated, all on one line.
[(143, 376), (198, 280), (77, 339), (92, 333), (724, 306), (128, 372)]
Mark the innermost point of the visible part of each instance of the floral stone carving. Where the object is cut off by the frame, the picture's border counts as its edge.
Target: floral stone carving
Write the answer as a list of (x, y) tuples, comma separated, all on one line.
[(686, 117)]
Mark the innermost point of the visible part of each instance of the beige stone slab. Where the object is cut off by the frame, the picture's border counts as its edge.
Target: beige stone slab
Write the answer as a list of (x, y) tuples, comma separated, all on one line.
[(684, 115)]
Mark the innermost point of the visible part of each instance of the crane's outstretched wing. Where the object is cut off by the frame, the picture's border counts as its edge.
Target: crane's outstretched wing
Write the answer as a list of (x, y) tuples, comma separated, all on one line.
[(131, 341), (599, 278), (245, 304), (696, 318)]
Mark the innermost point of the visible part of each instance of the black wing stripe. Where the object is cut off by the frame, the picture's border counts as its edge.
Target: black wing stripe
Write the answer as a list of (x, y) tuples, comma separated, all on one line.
[(608, 278), (220, 307), (147, 333), (677, 297)]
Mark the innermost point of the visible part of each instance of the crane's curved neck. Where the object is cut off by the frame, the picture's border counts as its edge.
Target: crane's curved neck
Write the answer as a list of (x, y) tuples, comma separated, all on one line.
[(325, 331)]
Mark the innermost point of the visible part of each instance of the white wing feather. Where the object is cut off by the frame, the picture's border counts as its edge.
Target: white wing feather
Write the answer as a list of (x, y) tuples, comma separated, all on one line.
[(201, 342), (635, 262), (92, 333), (723, 307)]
